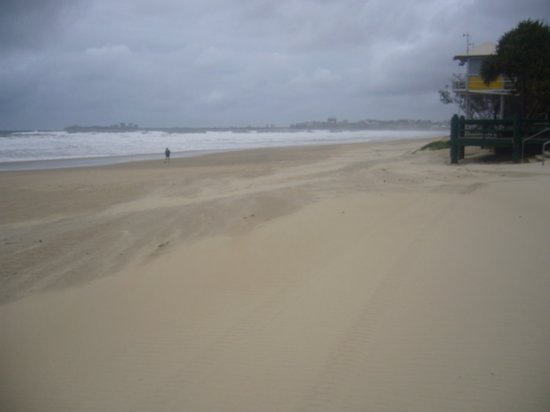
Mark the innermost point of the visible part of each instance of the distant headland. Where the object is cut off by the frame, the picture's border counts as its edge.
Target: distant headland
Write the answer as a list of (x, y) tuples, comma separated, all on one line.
[(332, 124)]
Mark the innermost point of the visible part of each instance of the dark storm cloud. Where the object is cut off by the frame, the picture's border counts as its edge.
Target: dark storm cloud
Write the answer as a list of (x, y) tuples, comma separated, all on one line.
[(214, 62)]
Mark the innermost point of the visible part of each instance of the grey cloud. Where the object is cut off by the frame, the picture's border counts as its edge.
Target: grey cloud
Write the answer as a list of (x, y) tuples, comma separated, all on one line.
[(30, 24), (214, 62)]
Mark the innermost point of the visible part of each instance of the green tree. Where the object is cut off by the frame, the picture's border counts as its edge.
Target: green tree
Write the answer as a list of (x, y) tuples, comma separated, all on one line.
[(523, 57)]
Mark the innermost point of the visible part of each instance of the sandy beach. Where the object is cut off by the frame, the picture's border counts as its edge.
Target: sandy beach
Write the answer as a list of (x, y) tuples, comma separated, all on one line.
[(354, 277)]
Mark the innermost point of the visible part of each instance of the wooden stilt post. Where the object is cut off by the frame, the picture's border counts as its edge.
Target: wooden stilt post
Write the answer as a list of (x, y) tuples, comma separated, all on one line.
[(454, 139), (461, 133), (518, 136)]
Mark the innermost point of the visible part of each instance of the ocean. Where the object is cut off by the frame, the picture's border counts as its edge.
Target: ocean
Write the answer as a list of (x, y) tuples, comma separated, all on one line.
[(58, 149)]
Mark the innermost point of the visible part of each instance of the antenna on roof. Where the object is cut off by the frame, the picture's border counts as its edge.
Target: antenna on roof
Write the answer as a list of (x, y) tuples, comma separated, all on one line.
[(469, 43)]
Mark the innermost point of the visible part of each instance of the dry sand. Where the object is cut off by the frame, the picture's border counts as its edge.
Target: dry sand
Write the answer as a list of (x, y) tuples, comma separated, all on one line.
[(359, 277)]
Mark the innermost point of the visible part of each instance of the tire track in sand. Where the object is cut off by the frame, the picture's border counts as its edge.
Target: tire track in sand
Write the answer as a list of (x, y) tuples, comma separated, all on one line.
[(350, 359), (178, 389)]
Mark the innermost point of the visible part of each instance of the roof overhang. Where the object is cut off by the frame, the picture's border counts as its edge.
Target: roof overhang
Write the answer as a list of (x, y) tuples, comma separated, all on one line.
[(483, 50)]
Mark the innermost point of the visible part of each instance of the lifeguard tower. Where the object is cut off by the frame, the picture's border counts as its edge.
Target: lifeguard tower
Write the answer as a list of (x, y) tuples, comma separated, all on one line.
[(501, 127), (470, 85)]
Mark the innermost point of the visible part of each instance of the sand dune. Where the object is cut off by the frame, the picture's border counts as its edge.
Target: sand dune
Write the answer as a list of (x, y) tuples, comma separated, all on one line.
[(351, 277)]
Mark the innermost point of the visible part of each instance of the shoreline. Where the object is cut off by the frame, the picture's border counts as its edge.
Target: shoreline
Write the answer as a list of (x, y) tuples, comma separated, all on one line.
[(83, 162), (343, 277), (68, 163)]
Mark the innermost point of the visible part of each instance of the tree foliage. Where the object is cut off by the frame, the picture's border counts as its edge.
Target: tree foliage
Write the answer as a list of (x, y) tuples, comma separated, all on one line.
[(523, 56)]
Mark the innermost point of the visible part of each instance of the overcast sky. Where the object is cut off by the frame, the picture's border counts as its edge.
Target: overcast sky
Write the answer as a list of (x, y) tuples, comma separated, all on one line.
[(236, 62)]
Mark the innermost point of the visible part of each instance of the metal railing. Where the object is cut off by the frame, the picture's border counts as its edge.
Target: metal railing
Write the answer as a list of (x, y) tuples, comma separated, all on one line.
[(499, 134), (459, 82), (469, 82), (532, 137), (543, 150)]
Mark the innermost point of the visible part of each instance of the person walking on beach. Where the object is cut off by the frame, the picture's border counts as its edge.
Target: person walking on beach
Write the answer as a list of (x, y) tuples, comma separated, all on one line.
[(167, 154)]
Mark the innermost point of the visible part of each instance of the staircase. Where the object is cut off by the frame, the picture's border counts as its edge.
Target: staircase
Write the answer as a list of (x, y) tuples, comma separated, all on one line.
[(545, 154)]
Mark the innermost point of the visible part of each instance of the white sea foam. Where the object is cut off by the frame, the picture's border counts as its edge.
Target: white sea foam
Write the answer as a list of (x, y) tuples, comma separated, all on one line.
[(40, 146)]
